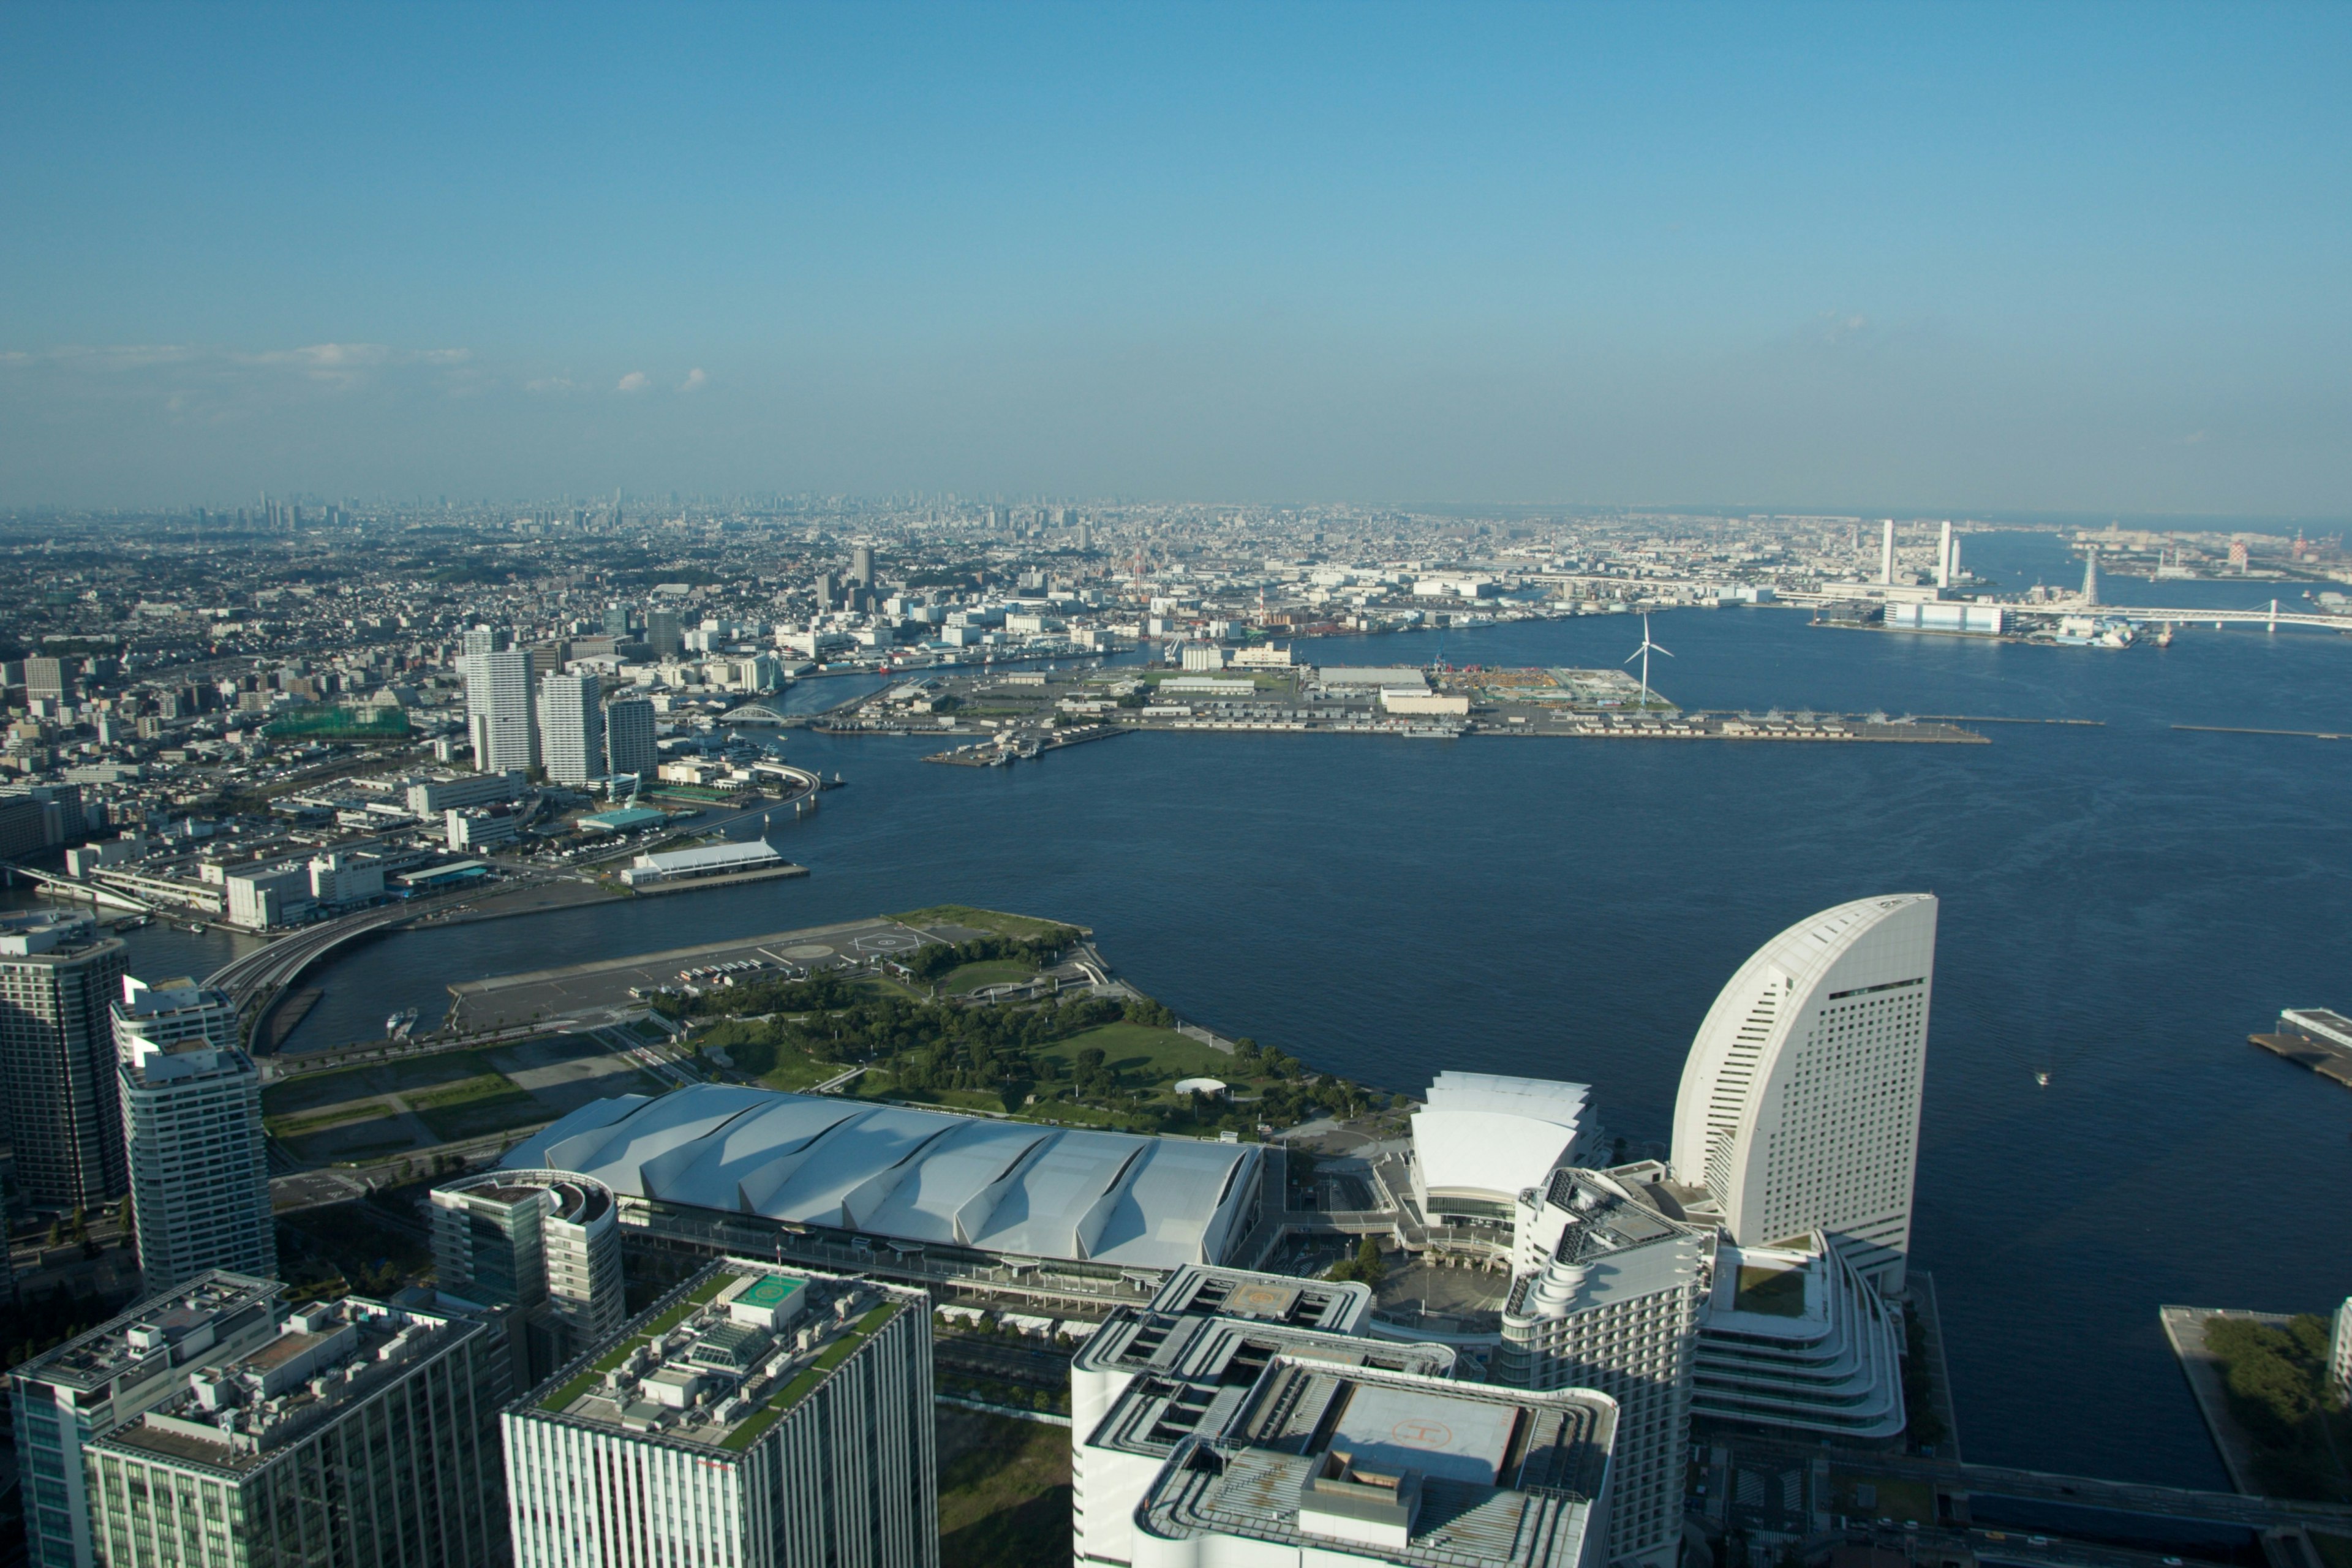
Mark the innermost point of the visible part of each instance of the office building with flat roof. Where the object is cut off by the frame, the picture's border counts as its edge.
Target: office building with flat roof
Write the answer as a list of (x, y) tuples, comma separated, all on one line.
[(58, 980), (65, 1399), (358, 1432), (754, 1417), (191, 1134), (1199, 1340), (1267, 1444)]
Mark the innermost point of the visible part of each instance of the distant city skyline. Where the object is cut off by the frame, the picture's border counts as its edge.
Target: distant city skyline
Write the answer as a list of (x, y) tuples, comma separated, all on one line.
[(2077, 259)]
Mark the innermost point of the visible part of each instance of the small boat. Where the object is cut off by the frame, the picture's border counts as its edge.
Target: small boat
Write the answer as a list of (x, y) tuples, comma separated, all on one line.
[(2164, 637), (397, 1025), (2043, 1079), (194, 927)]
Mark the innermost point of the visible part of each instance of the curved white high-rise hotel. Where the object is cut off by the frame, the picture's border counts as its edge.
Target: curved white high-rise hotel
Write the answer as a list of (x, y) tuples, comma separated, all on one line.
[(1800, 1102)]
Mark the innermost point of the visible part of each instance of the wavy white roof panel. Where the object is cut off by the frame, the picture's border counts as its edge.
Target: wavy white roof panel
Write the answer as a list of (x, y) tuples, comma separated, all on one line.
[(1489, 1153), (1546, 1100), (910, 1176)]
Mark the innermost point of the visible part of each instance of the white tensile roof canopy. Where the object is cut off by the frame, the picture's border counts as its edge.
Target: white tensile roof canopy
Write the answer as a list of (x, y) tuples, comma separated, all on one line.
[(911, 1175)]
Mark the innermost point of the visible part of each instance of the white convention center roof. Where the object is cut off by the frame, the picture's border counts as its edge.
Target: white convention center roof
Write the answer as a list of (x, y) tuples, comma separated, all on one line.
[(1492, 1136), (910, 1176)]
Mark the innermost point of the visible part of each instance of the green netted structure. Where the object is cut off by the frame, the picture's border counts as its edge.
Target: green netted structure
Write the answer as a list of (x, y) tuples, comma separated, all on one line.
[(338, 723)]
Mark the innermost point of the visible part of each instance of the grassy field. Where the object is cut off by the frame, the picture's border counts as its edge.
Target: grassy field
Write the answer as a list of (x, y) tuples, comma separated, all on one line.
[(1143, 1056), (412, 1075), (988, 972), (1004, 1491), (997, 921), (367, 1111)]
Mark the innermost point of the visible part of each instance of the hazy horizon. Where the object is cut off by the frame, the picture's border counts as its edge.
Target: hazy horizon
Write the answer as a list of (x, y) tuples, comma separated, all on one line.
[(2041, 261)]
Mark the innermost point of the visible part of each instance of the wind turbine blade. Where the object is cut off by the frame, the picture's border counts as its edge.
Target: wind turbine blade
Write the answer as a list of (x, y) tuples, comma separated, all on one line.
[(1630, 656), (1668, 652)]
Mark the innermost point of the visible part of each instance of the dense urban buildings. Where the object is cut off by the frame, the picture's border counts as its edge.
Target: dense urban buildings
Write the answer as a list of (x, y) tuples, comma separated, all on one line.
[(58, 979), (1799, 1103), (754, 1417), (199, 1162), (358, 1432), (64, 1400)]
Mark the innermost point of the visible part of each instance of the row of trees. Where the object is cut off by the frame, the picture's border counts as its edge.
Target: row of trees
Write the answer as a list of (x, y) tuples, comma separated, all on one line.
[(2278, 1387)]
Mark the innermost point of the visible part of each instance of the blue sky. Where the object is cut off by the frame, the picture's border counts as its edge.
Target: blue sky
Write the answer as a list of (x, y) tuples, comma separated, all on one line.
[(2040, 258)]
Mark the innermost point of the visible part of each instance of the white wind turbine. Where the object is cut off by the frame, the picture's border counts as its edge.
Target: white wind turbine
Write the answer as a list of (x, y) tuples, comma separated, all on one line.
[(1642, 653)]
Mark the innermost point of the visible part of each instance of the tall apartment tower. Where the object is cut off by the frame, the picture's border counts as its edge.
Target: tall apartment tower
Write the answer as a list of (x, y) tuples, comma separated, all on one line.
[(1886, 553), (616, 621), (192, 1132), (484, 639), (629, 742), (1606, 1295), (754, 1417), (861, 565), (1947, 560), (2091, 575), (58, 979), (499, 710), (548, 1242), (571, 727), (1800, 1102), (360, 1433), (67, 1398)]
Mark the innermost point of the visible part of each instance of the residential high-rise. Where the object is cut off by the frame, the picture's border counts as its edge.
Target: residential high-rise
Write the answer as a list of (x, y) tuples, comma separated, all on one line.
[(67, 1399), (629, 740), (548, 1242), (58, 978), (1605, 1295), (484, 639), (754, 1417), (570, 728), (2091, 575), (1800, 1102), (616, 621), (499, 710), (828, 591), (861, 565), (1945, 560), (662, 632), (192, 1133), (361, 1433), (1886, 553)]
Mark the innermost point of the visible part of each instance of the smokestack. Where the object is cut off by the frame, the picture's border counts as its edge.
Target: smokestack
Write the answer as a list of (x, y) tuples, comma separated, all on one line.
[(1944, 557), (1886, 555)]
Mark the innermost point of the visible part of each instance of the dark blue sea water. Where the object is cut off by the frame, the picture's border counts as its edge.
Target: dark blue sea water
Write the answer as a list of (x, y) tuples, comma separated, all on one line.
[(2121, 906)]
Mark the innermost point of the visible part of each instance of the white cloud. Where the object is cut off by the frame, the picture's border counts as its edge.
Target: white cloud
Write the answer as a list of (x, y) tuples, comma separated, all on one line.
[(695, 381), (635, 381)]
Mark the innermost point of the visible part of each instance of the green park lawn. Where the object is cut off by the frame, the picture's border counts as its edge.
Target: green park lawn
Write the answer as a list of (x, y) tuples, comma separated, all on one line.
[(988, 972), (410, 1076), (1020, 927), (1144, 1057)]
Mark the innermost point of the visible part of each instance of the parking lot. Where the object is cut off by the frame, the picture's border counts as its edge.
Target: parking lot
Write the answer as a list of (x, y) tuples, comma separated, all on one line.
[(588, 987)]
